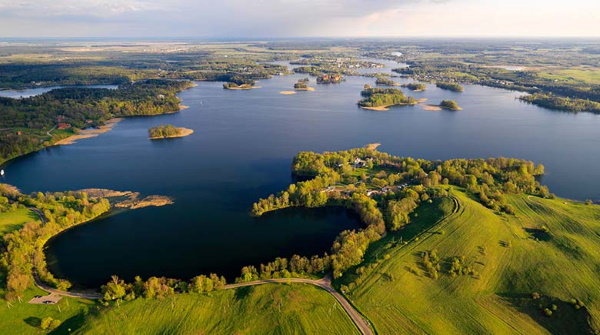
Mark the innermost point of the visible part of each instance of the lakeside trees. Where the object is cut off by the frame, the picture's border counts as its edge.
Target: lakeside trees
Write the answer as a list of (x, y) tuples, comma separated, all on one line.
[(378, 97), (382, 81), (25, 122), (415, 86), (450, 105), (562, 103), (165, 131), (454, 87), (22, 250)]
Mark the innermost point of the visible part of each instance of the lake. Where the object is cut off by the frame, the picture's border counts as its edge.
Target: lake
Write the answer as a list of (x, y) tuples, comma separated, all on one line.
[(30, 92), (241, 150)]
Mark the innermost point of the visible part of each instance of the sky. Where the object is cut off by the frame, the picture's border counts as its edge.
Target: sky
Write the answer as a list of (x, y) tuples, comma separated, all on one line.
[(299, 18)]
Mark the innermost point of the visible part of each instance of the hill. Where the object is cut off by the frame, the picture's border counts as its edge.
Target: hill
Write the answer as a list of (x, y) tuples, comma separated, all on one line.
[(547, 250)]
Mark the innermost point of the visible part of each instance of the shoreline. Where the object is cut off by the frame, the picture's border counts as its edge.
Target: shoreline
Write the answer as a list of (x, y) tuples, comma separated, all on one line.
[(387, 107), (184, 132), (89, 133), (242, 87), (108, 125)]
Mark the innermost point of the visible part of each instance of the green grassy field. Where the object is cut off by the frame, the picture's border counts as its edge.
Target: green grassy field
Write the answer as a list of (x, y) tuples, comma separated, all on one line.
[(585, 75), (265, 309), (400, 297), (25, 318), (14, 219)]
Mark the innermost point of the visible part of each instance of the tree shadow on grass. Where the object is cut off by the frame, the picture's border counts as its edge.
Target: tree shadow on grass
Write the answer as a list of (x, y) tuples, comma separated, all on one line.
[(242, 292), (565, 318), (33, 321)]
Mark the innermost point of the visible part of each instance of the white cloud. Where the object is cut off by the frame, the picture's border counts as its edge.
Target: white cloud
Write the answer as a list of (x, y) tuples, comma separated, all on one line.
[(296, 18)]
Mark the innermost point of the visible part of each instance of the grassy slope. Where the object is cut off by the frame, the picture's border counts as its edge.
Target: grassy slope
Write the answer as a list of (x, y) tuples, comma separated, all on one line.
[(265, 309), (12, 220), (565, 267)]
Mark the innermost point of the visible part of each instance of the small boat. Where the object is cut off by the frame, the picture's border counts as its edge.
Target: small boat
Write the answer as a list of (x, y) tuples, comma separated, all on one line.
[(1, 172)]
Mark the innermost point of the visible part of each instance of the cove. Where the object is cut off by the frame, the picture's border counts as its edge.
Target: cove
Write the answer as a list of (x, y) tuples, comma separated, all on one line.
[(207, 247), (241, 150)]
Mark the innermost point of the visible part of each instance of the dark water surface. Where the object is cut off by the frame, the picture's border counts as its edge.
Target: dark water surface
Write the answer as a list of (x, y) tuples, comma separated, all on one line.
[(241, 150)]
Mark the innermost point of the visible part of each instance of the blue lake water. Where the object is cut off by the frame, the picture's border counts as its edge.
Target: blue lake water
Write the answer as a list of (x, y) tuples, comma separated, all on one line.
[(241, 150), (30, 92)]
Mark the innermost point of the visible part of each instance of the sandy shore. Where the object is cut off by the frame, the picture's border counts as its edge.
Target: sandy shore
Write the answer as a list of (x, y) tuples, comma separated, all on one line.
[(372, 146), (429, 107), (184, 132), (287, 92), (387, 107), (305, 89), (380, 108), (88, 133), (243, 87)]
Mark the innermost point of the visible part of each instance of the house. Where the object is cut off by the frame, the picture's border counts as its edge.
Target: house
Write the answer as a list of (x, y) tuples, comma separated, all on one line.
[(62, 126), (358, 163)]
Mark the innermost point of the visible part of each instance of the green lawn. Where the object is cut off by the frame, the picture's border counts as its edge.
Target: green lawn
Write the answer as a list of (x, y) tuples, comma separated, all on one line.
[(24, 318), (265, 309), (510, 265), (12, 220)]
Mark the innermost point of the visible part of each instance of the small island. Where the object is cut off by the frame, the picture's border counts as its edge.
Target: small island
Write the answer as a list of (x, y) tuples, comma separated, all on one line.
[(417, 87), (239, 83), (381, 99), (234, 86), (450, 105), (168, 131), (329, 79), (302, 85), (382, 81), (454, 87)]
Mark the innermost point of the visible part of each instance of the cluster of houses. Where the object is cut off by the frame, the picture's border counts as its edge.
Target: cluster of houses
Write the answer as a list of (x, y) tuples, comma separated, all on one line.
[(348, 192)]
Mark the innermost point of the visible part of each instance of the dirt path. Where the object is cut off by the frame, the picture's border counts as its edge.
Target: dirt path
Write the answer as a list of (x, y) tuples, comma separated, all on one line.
[(324, 283)]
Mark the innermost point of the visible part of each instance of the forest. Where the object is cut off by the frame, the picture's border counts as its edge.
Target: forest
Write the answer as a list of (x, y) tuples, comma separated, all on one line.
[(551, 101), (26, 123), (23, 257)]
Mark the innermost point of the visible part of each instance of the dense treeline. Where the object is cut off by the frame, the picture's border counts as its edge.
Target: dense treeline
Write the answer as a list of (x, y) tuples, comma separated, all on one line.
[(454, 87), (159, 287), (377, 97), (164, 131), (555, 102), (79, 108), (415, 86), (300, 85), (382, 81), (22, 250)]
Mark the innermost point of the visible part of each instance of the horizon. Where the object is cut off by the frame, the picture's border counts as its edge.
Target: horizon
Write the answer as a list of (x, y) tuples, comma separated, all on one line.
[(236, 19)]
